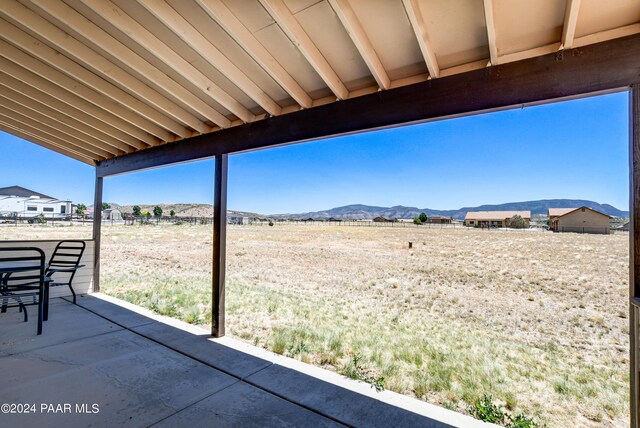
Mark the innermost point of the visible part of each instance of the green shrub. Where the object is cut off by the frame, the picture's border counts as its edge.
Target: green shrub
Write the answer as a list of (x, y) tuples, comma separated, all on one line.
[(487, 411), (522, 421)]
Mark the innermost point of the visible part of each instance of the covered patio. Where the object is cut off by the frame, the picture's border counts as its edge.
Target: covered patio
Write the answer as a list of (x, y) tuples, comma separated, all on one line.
[(125, 86), (104, 362)]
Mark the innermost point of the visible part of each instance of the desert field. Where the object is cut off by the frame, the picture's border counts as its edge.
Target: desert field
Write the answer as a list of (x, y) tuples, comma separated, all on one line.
[(537, 320)]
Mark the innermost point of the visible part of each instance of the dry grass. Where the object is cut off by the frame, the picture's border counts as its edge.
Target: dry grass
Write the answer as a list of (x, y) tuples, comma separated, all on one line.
[(537, 320)]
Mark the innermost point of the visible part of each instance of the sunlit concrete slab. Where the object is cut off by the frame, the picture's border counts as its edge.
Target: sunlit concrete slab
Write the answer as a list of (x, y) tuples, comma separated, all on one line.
[(66, 323), (245, 406)]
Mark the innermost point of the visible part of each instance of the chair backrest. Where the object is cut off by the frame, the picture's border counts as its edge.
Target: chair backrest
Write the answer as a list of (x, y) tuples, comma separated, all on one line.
[(67, 254), (21, 268)]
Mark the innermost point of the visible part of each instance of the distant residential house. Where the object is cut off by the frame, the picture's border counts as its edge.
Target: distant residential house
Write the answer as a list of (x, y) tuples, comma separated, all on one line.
[(17, 200), (579, 220), (494, 218), (382, 220), (241, 220), (439, 219), (235, 219), (111, 214)]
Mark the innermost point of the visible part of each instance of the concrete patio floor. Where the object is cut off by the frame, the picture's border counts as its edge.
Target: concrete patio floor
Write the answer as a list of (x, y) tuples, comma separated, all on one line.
[(105, 362)]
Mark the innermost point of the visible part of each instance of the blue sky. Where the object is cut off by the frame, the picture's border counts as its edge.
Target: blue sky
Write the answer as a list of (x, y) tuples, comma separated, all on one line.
[(574, 149)]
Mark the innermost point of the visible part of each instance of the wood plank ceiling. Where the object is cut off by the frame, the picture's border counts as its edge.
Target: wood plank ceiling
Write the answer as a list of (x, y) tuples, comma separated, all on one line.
[(96, 79)]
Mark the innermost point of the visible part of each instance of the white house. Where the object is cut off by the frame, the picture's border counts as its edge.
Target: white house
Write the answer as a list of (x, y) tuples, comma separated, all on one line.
[(21, 202)]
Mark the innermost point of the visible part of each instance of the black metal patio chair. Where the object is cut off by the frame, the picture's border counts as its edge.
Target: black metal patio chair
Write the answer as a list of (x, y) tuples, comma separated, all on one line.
[(64, 263), (22, 280)]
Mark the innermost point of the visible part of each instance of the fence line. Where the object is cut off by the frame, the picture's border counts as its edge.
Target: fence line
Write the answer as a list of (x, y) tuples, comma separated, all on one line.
[(70, 221), (149, 220), (400, 224), (586, 229)]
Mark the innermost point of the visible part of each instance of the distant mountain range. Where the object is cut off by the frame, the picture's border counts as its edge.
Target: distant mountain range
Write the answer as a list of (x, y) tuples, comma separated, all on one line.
[(367, 212)]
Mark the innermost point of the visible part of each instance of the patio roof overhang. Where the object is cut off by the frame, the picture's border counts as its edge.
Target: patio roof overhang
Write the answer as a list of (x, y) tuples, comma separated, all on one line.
[(99, 80)]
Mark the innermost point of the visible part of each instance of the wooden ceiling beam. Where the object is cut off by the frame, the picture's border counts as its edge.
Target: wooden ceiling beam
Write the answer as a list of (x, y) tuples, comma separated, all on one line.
[(603, 36), (154, 107), (15, 130), (146, 39), (42, 131), (68, 98), (110, 110), (210, 53), (530, 53), (570, 21), (219, 12), (155, 81), (97, 128), (491, 31), (72, 133), (301, 40), (599, 68), (412, 7), (53, 58), (35, 123), (86, 131), (352, 24)]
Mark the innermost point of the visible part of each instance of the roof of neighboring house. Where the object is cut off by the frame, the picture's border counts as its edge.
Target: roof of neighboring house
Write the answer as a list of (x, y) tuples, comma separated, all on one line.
[(559, 212), (440, 216), (496, 215), (22, 192)]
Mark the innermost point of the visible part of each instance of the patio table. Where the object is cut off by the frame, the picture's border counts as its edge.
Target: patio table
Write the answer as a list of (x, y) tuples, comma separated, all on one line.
[(7, 268)]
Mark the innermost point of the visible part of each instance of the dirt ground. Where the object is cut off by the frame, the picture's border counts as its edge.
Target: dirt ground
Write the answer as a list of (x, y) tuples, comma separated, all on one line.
[(537, 320)]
